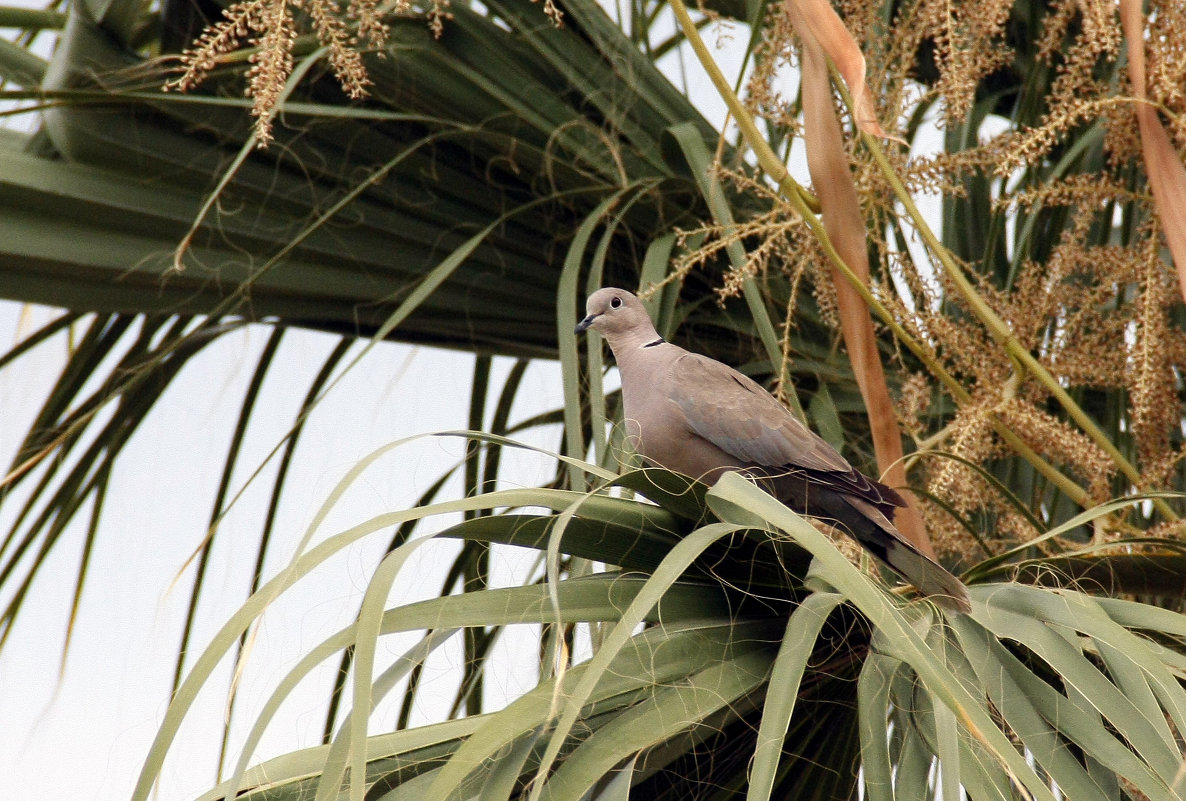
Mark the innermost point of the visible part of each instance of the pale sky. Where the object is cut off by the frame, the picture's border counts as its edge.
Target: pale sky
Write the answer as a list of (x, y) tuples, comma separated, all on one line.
[(103, 714)]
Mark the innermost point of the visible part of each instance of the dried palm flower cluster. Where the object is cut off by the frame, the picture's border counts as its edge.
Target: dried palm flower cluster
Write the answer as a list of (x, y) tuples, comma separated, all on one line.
[(269, 28), (1075, 266)]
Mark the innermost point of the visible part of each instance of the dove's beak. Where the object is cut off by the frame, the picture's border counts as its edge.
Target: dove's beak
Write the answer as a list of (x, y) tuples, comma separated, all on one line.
[(585, 324)]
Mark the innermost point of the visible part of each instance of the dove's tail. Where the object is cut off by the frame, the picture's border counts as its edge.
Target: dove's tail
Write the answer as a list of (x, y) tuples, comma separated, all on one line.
[(866, 519), (930, 578), (870, 527)]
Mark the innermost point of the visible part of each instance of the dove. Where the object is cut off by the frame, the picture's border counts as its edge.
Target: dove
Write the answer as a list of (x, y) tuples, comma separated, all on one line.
[(691, 414)]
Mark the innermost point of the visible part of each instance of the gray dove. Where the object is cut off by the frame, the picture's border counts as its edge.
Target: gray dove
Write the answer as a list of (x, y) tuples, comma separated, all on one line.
[(694, 415)]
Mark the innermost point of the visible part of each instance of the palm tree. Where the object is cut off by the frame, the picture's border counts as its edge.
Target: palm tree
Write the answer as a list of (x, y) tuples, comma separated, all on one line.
[(497, 172)]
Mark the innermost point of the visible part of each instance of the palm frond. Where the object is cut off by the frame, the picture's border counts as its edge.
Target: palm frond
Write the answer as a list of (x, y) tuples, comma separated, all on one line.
[(715, 666)]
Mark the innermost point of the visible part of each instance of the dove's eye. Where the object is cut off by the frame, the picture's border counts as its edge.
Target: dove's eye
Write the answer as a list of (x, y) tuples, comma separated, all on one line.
[(616, 303)]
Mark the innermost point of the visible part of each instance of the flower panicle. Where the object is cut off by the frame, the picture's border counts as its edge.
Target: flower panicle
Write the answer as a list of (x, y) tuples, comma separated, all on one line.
[(269, 27)]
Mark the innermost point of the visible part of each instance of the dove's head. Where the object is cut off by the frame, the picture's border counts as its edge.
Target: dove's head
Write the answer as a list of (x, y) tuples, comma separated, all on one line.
[(617, 315)]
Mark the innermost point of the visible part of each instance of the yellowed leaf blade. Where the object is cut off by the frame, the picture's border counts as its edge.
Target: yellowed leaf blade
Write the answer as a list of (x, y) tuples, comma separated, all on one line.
[(1163, 165), (828, 162)]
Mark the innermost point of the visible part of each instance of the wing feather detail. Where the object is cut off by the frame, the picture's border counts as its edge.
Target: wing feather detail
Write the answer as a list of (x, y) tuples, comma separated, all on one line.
[(736, 414)]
